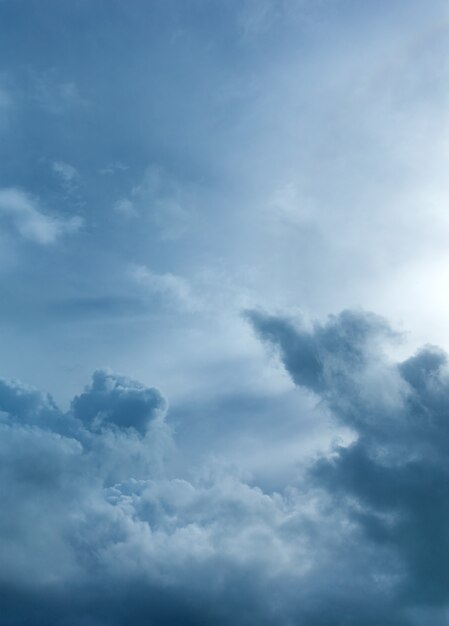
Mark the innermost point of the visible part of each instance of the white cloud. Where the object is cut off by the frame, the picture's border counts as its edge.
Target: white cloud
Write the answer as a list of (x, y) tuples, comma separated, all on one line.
[(29, 220)]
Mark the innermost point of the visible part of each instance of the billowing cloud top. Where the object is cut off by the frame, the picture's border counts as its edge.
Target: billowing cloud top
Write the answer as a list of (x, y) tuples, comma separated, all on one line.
[(97, 529), (115, 400)]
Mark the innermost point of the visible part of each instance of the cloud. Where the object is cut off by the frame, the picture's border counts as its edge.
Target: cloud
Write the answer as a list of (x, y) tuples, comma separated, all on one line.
[(82, 497), (393, 476), (25, 404), (114, 168), (30, 221), (162, 200), (167, 286), (125, 207), (68, 174), (115, 400), (359, 537)]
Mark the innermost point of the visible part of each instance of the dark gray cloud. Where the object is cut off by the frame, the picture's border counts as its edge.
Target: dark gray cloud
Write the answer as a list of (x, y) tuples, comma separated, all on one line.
[(96, 528), (393, 480), (116, 400)]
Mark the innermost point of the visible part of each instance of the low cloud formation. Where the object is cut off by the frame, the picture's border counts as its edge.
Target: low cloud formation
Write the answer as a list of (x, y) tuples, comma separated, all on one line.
[(115, 400), (97, 529), (393, 480), (30, 221)]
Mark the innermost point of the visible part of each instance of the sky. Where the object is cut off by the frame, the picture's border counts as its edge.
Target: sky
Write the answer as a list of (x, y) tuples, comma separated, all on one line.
[(224, 388)]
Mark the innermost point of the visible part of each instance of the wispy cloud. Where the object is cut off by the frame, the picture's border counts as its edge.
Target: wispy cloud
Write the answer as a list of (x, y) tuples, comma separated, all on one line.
[(161, 200), (30, 221), (113, 168), (126, 208), (169, 287), (68, 174)]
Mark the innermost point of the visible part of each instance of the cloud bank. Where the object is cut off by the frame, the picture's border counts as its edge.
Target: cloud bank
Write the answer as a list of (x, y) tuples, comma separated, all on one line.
[(97, 529)]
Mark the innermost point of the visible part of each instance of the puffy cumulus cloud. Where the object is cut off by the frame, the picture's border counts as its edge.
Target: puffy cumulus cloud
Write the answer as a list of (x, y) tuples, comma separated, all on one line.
[(55, 472), (30, 221), (116, 400), (92, 532), (97, 528), (24, 403)]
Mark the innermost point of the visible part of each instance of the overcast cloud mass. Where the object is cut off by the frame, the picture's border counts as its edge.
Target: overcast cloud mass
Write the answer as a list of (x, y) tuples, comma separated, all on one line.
[(224, 381)]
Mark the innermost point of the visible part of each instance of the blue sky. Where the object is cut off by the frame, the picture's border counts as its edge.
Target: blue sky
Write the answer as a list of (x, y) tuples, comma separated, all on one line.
[(188, 189)]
